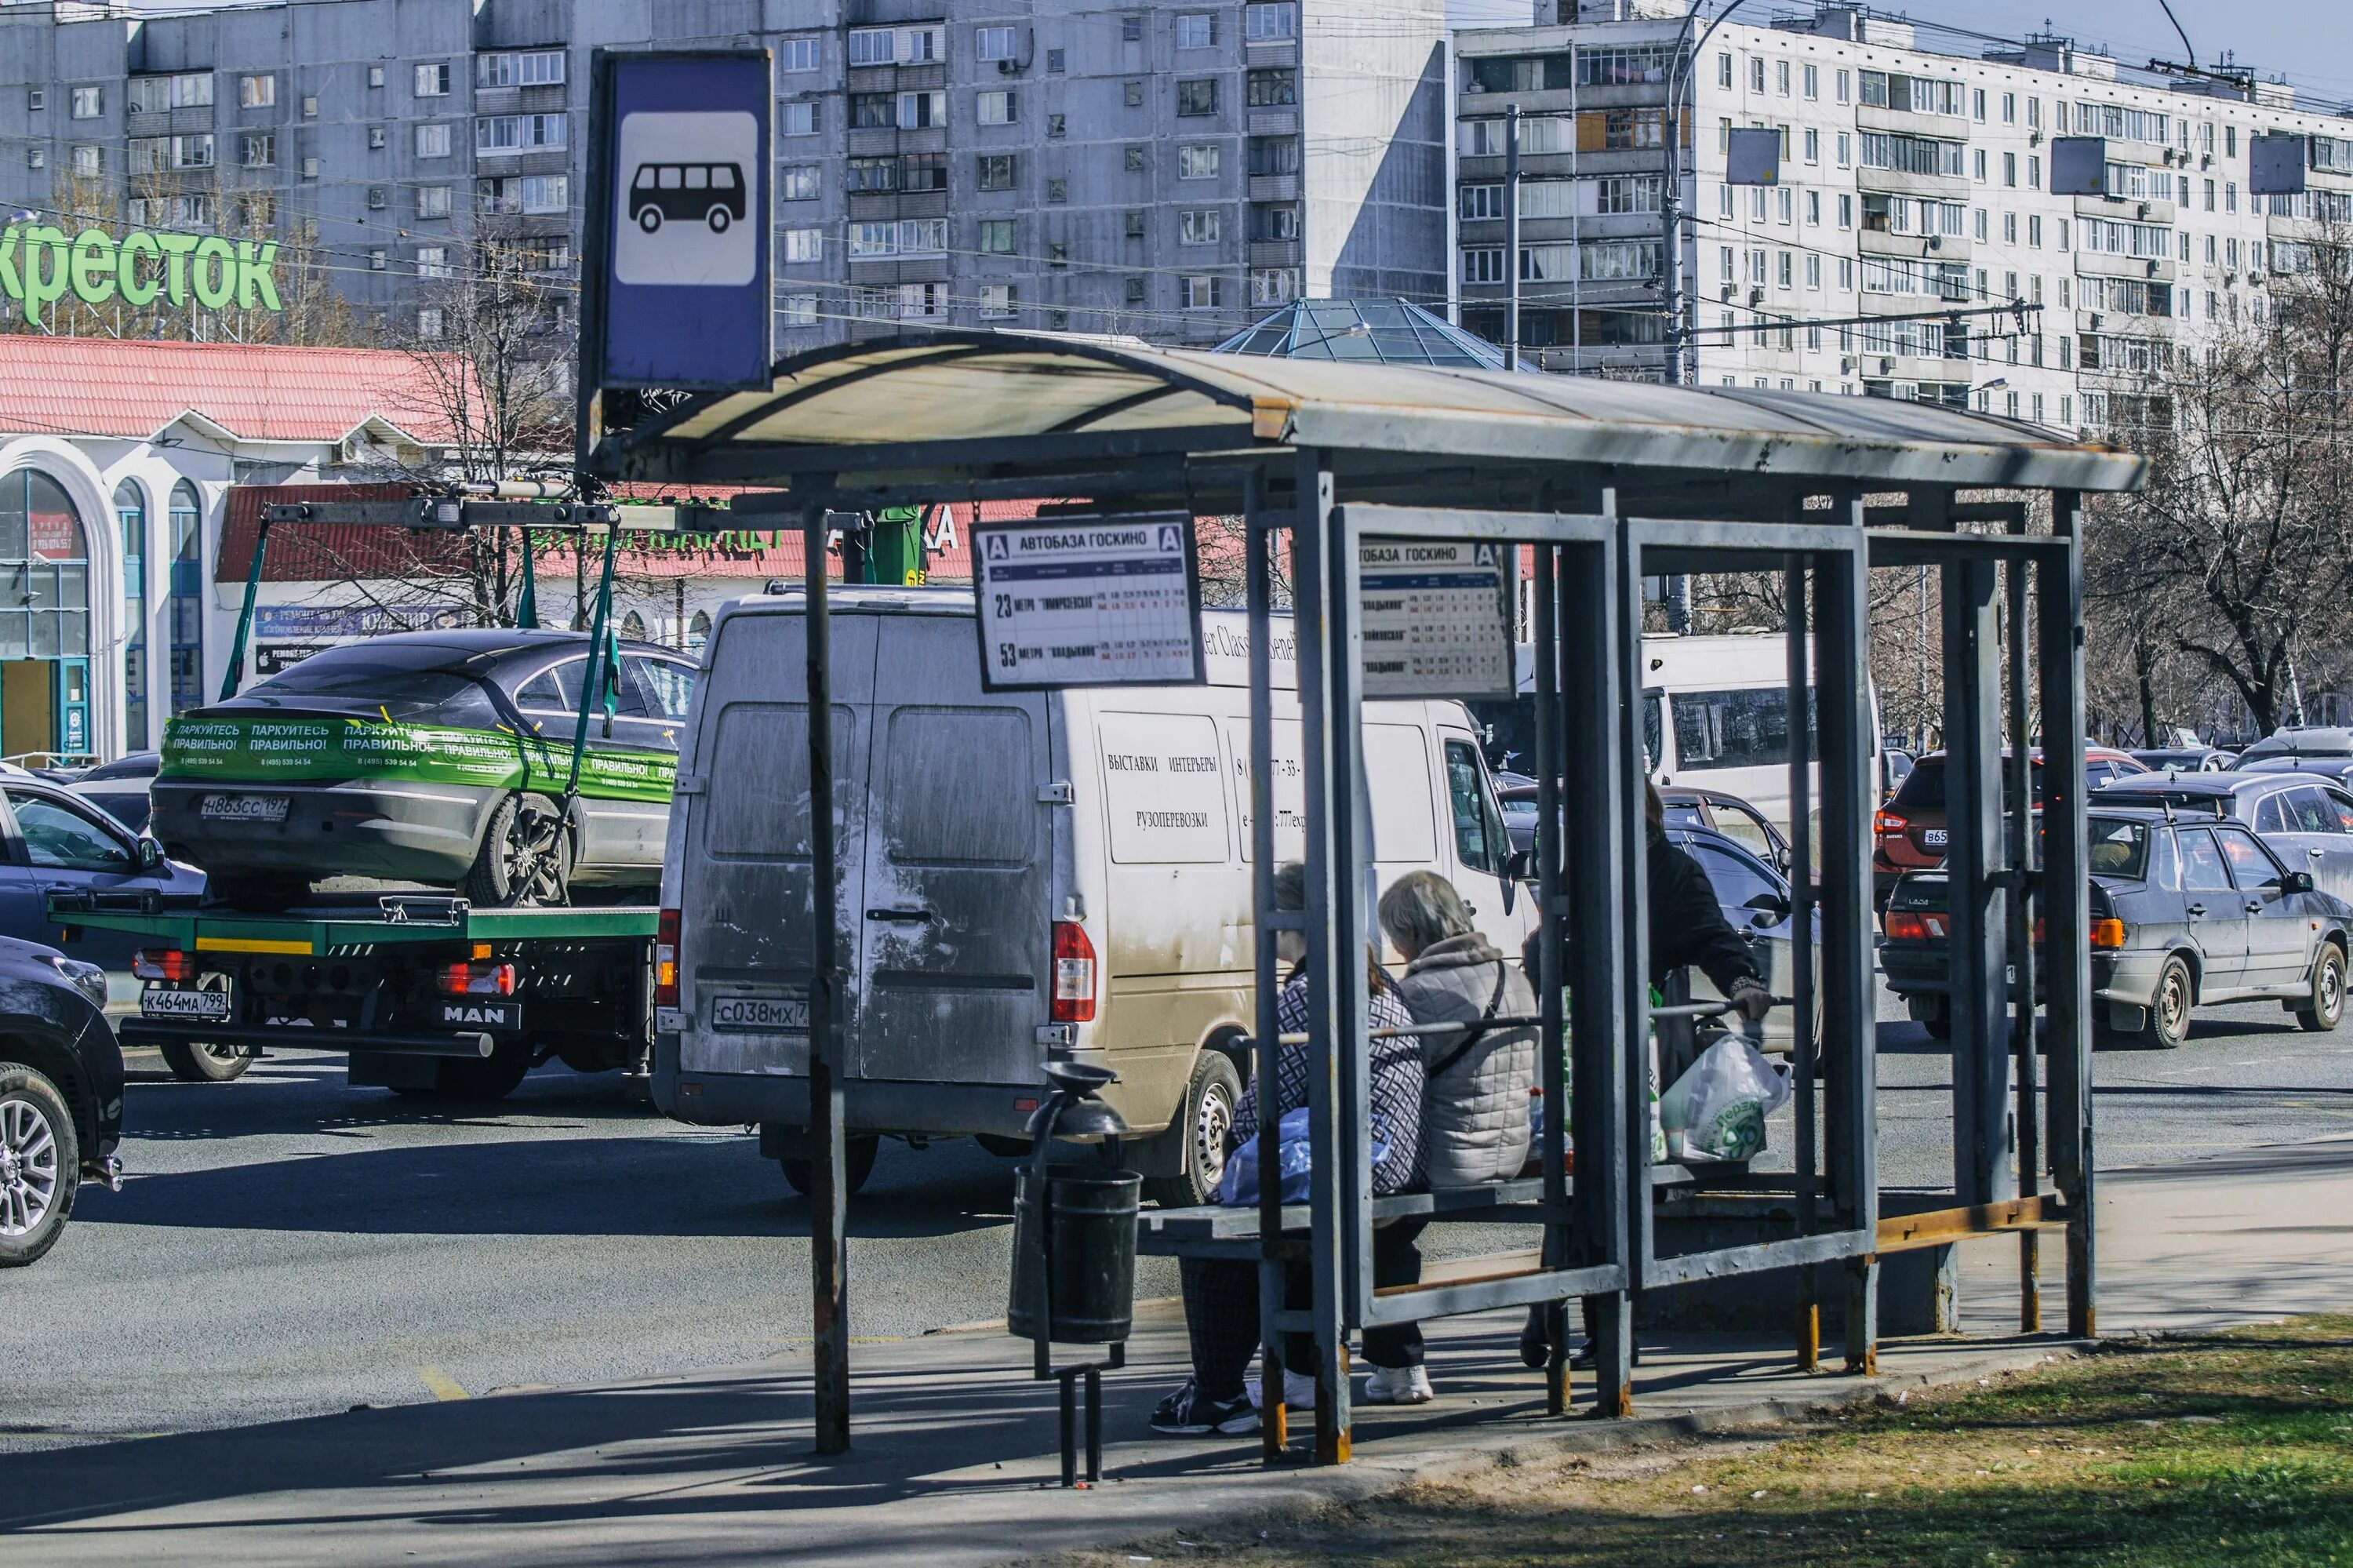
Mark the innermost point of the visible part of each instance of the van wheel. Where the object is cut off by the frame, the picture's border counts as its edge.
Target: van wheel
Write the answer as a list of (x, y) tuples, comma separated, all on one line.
[(858, 1159), (41, 1164), (2326, 1008), (193, 1064), (1211, 1101), (525, 861), (2168, 1010)]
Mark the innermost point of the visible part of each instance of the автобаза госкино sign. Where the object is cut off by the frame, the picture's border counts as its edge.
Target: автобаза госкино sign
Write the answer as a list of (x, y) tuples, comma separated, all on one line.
[(40, 264)]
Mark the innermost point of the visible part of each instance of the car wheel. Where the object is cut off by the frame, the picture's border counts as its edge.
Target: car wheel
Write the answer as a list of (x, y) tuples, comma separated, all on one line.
[(194, 1063), (525, 861), (858, 1162), (649, 219), (719, 218), (2325, 1008), (1212, 1099), (2168, 1009), (41, 1164)]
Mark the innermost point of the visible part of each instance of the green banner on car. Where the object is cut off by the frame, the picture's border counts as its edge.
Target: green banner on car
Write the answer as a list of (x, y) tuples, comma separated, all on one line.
[(319, 749)]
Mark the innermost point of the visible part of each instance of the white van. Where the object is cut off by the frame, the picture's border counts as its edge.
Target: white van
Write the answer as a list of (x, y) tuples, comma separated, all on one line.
[(1716, 715), (1021, 876)]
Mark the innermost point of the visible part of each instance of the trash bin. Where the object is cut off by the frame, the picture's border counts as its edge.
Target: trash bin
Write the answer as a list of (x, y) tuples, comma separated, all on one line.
[(1091, 1241)]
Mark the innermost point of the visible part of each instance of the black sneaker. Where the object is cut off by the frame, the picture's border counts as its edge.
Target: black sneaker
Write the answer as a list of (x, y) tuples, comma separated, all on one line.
[(1184, 1414)]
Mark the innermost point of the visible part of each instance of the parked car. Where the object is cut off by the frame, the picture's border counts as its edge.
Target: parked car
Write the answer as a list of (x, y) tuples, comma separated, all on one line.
[(1910, 831), (60, 1094), (2309, 822), (1756, 902), (2317, 749), (121, 788), (52, 839), (428, 757), (2185, 911), (2187, 760), (1735, 817), (1895, 767)]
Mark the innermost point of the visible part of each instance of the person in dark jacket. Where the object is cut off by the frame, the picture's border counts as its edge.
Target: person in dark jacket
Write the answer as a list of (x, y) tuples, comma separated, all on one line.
[(1221, 1307), (1687, 930)]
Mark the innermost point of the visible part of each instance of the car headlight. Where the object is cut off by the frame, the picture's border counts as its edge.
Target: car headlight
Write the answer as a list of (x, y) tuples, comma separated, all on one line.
[(88, 979)]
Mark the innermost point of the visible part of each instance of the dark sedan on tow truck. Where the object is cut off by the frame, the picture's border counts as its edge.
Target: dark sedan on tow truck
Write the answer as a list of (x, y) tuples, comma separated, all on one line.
[(2185, 911)]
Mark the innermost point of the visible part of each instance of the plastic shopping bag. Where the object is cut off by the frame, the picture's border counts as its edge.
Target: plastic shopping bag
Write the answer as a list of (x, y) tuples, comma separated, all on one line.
[(1717, 1109), (1294, 1159)]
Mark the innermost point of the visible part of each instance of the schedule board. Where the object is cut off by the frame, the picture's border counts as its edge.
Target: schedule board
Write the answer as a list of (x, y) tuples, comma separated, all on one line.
[(1088, 602), (1436, 618)]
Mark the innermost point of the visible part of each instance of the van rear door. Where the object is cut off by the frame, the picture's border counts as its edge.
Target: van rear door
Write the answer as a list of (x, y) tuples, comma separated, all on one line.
[(744, 891), (957, 943)]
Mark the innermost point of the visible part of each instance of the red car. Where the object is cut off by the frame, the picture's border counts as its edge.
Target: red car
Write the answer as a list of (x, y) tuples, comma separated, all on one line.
[(1909, 831)]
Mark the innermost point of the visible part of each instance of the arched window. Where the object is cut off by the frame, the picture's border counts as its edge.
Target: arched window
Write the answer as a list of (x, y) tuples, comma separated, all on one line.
[(131, 517), (187, 542), (44, 571), (698, 631), (633, 626)]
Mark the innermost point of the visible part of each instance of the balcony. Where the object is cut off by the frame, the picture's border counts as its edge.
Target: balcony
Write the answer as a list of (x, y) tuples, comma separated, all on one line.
[(1895, 182), (1283, 121), (1273, 54), (1274, 252), (1919, 247), (1273, 187)]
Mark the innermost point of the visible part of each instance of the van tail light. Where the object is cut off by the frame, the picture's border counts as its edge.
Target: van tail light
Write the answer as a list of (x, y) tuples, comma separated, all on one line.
[(2107, 934), (1887, 824), (666, 960), (163, 964), (1074, 974), (478, 979)]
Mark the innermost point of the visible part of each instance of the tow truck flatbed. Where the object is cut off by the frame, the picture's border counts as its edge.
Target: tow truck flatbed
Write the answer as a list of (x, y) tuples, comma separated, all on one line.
[(319, 930)]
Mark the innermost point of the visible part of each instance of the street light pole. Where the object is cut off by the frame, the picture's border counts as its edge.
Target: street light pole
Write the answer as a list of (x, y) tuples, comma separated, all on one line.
[(1671, 198), (1512, 236)]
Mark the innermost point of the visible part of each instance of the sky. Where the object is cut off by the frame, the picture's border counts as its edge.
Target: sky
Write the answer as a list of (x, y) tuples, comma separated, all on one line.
[(2309, 40)]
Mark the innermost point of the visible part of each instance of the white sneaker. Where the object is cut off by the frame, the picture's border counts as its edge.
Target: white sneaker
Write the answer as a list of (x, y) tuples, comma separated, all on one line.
[(1298, 1391), (1399, 1385)]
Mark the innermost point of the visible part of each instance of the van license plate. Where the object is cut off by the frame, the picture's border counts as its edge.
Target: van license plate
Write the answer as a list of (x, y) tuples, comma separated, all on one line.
[(1933, 838), (761, 1014), (212, 1006), (243, 807)]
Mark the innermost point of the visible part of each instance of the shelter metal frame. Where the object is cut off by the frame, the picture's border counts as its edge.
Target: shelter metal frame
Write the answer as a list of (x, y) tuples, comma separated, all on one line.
[(1606, 483)]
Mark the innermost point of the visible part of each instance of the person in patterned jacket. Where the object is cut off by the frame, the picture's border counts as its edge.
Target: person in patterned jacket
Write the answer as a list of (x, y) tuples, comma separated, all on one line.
[(1220, 1293)]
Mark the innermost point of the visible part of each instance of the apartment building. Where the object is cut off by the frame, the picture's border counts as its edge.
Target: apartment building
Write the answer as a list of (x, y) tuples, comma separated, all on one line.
[(1913, 180), (1166, 167)]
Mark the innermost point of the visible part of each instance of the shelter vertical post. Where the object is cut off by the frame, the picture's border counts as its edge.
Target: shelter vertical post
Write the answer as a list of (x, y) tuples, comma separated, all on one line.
[(1849, 1022), (2021, 938), (1799, 678), (1976, 907), (1340, 1176), (2066, 901), (1551, 1080), (1263, 533), (1625, 842), (828, 1252), (1604, 967)]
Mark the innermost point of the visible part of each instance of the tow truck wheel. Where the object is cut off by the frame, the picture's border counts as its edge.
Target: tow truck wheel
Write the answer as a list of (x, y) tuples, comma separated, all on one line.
[(490, 1077), (525, 861), (193, 1064), (858, 1160)]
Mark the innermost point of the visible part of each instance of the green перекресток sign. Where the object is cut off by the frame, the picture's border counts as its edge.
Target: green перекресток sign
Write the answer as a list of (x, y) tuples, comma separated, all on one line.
[(40, 264), (264, 751)]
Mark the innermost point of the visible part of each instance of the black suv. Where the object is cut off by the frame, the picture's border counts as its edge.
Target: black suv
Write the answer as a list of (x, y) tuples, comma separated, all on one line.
[(60, 1094)]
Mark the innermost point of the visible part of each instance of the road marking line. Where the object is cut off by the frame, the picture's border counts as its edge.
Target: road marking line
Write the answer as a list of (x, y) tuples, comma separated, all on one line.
[(443, 1386)]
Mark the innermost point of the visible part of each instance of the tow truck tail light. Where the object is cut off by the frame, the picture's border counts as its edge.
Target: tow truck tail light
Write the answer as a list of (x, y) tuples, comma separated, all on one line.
[(666, 960), (1074, 974), (478, 979), (163, 964), (2107, 933)]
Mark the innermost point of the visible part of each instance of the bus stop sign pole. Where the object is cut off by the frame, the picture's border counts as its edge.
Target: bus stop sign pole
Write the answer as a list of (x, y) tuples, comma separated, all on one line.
[(828, 1247)]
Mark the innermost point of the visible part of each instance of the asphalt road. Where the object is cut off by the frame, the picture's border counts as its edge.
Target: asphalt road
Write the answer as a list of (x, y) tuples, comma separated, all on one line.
[(288, 1245)]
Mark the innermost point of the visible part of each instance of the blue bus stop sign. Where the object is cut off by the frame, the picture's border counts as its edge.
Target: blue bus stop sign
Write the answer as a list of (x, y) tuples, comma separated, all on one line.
[(679, 220)]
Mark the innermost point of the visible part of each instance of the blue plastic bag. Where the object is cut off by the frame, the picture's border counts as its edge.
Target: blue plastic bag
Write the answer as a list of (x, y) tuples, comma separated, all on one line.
[(1240, 1184)]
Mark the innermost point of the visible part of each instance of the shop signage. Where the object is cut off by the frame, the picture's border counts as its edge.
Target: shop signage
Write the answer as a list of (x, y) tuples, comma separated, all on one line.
[(41, 264)]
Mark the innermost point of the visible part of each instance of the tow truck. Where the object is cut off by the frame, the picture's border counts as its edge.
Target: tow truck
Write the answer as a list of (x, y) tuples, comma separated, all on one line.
[(426, 993)]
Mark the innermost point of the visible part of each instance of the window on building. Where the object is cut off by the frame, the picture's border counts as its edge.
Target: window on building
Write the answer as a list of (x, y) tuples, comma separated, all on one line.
[(1274, 154), (797, 55), (1204, 293), (1196, 96), (184, 522), (1781, 79), (996, 107), (867, 175), (378, 197), (89, 161), (1484, 264), (1197, 30), (991, 43), (1133, 160), (797, 119), (88, 102), (377, 138), (803, 245), (1197, 161), (996, 300), (433, 261), (1199, 225), (433, 81), (1813, 81), (996, 171), (1845, 87), (799, 310), (433, 141), (1271, 21), (796, 182), (1134, 226), (1272, 89), (526, 67), (872, 47), (1845, 149), (378, 259), (257, 152), (996, 236), (257, 91), (519, 133), (1058, 190)]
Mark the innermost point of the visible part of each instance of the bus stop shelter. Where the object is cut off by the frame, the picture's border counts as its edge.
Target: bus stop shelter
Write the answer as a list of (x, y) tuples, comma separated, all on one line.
[(1601, 484)]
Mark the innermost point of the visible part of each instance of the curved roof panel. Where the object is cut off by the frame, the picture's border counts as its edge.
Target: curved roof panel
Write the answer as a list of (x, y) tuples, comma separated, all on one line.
[(974, 402)]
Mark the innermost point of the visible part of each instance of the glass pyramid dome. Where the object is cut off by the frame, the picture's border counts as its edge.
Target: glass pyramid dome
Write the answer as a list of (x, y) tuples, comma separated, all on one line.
[(1386, 332)]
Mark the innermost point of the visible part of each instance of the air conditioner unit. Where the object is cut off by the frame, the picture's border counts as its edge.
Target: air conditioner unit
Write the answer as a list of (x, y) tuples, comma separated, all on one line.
[(1846, 365), (2034, 138), (2095, 320), (2142, 211), (2205, 160), (1935, 242), (1008, 67), (1756, 296), (1887, 368), (2153, 266)]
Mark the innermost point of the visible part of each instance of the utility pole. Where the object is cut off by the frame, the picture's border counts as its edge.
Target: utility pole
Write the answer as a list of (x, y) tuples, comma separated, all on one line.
[(1512, 236)]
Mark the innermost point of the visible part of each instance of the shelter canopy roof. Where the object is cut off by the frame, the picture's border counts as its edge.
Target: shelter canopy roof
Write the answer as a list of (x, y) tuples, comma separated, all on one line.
[(953, 405)]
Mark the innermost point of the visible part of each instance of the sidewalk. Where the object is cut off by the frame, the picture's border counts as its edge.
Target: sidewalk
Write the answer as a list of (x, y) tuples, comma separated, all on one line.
[(956, 1447)]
